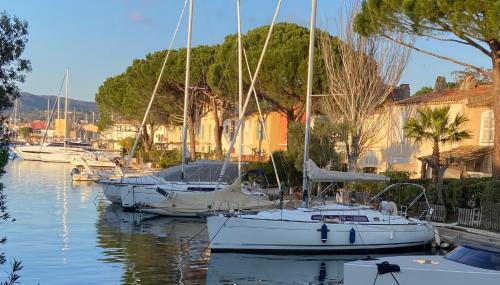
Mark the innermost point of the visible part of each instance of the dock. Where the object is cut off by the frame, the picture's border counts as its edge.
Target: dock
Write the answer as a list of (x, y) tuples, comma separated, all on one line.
[(455, 234)]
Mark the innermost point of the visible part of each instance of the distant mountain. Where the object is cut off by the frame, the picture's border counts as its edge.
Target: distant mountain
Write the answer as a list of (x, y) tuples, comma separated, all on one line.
[(30, 102)]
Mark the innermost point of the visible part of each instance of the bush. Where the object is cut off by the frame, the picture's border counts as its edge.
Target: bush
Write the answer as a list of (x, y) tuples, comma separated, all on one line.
[(170, 158), (285, 164), (490, 198)]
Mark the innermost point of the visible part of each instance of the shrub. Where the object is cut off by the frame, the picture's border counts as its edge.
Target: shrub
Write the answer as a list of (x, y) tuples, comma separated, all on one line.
[(169, 158)]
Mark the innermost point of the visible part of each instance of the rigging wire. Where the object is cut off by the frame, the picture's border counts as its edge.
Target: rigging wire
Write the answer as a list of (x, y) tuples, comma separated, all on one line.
[(52, 112), (262, 122), (252, 85), (153, 95)]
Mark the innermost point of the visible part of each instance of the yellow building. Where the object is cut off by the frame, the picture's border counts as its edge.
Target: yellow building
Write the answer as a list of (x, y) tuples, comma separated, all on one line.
[(255, 147), (60, 127), (397, 152)]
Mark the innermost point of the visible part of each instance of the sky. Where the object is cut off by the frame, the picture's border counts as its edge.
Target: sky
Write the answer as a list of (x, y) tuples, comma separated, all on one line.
[(97, 39)]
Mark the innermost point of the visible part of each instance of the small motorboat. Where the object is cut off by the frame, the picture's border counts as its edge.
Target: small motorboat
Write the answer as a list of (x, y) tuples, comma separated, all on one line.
[(467, 264)]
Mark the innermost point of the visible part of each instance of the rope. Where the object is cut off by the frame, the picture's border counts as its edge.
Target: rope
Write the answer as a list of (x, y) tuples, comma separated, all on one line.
[(141, 129), (212, 239)]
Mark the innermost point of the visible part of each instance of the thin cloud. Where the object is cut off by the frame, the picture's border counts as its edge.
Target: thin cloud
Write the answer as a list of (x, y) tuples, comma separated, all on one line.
[(137, 17)]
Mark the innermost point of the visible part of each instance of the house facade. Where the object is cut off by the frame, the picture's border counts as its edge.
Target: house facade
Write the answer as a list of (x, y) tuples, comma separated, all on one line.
[(121, 129), (397, 152)]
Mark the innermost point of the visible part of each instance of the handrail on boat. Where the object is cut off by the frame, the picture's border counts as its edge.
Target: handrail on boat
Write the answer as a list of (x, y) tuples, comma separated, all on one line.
[(386, 189)]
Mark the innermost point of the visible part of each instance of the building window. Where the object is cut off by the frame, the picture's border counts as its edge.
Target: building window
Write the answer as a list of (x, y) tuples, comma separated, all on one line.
[(487, 128)]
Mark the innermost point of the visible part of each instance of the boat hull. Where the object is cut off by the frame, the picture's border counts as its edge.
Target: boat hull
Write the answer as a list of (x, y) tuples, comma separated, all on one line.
[(235, 234), (112, 192), (429, 270)]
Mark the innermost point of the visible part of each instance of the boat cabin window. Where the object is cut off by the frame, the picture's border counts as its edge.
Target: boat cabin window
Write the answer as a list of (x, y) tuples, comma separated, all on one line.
[(204, 189), (343, 218), (480, 257)]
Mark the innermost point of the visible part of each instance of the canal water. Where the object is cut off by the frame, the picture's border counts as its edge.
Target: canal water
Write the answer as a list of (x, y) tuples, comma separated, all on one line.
[(67, 233)]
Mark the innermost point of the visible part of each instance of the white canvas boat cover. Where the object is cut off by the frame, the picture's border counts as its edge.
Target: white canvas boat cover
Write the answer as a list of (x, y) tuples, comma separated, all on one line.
[(316, 174)]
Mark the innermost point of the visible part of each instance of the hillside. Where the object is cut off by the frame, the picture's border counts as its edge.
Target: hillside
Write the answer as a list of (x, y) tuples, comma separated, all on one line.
[(34, 107), (30, 102)]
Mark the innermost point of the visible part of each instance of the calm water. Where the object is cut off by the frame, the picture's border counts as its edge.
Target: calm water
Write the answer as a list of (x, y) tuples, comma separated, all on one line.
[(68, 233)]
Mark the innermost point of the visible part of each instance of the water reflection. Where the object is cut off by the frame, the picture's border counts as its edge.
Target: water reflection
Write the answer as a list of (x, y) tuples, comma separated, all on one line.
[(153, 250), (232, 268)]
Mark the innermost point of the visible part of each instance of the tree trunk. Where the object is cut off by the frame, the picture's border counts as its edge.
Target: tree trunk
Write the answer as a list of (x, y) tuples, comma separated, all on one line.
[(436, 172), (352, 162), (148, 138), (218, 128), (192, 138), (495, 51), (353, 152)]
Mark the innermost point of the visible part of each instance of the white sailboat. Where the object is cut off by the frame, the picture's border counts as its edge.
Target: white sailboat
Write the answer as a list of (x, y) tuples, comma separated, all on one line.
[(330, 228), (54, 151), (162, 195)]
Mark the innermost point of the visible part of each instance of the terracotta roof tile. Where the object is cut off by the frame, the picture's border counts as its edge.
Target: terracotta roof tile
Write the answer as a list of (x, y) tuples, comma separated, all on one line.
[(481, 93)]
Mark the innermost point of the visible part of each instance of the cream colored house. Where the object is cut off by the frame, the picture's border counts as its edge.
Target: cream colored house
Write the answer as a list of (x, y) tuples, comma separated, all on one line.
[(395, 151), (121, 129)]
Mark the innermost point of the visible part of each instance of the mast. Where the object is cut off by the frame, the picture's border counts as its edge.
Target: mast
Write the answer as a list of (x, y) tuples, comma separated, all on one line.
[(186, 89), (16, 107), (66, 109), (58, 108), (310, 69), (240, 85), (48, 111), (73, 126)]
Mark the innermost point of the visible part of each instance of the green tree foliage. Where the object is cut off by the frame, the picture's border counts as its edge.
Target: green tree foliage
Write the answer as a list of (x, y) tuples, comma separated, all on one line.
[(474, 23), (25, 132), (13, 68), (424, 90), (127, 95), (169, 158), (13, 39), (322, 144), (436, 126), (283, 77), (289, 163)]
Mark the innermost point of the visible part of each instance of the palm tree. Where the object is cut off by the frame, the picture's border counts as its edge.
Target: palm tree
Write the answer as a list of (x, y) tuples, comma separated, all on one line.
[(435, 125)]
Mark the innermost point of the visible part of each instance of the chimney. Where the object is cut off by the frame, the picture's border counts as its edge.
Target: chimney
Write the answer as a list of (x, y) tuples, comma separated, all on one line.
[(469, 82), (440, 83), (404, 90)]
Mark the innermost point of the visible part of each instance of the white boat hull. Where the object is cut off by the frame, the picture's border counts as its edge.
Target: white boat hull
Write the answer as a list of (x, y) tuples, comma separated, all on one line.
[(112, 193), (416, 270), (47, 153), (248, 234), (112, 188)]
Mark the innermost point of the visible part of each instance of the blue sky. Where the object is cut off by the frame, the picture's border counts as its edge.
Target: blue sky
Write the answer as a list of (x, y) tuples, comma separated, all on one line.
[(97, 39)]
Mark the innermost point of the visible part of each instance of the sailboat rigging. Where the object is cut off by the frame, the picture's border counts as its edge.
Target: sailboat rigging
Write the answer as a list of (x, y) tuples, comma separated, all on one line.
[(354, 227)]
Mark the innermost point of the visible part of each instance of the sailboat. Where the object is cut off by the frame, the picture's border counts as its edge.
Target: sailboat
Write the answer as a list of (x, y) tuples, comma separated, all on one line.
[(196, 186), (54, 151), (327, 228)]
